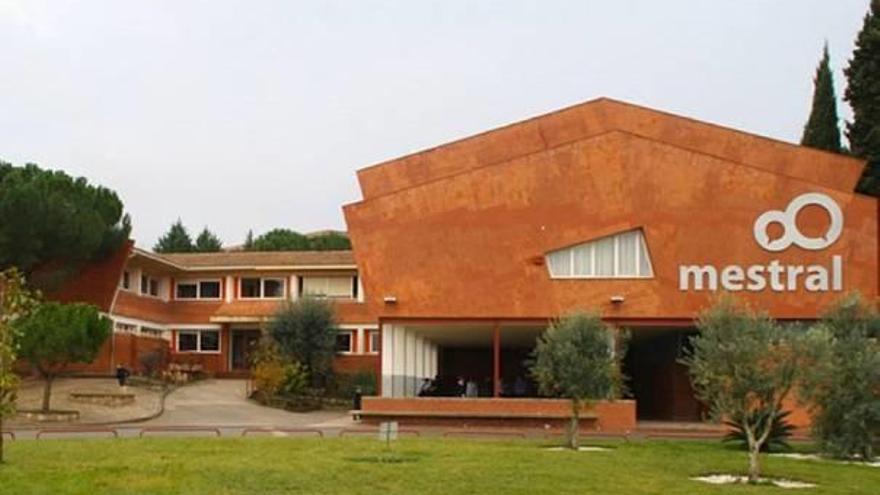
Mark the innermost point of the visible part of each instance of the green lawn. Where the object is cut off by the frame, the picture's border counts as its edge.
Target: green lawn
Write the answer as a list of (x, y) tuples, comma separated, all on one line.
[(426, 466)]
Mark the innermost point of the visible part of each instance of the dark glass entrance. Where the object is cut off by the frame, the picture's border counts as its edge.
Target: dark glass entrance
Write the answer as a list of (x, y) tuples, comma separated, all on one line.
[(658, 382), (243, 344)]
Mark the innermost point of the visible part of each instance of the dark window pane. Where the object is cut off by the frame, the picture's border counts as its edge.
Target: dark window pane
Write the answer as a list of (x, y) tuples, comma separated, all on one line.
[(187, 291), (126, 280), (211, 341), (250, 287), (144, 284), (374, 341), (273, 288), (154, 287), (343, 342), (209, 290), (187, 342)]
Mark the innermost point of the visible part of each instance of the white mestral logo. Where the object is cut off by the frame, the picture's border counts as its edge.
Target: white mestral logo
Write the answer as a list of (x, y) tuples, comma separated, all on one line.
[(788, 220), (775, 275)]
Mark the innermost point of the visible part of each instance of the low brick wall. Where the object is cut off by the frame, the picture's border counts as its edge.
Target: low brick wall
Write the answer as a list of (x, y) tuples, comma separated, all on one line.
[(606, 416)]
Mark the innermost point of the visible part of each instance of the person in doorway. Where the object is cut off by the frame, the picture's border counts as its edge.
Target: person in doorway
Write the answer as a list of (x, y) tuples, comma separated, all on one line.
[(122, 375), (471, 389), (460, 387), (425, 389)]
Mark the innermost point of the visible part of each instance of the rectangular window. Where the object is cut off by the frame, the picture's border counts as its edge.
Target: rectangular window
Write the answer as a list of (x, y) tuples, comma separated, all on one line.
[(273, 288), (187, 291), (198, 341), (126, 280), (261, 288), (209, 289), (187, 341), (203, 289), (345, 341), (250, 288), (627, 245), (126, 327), (604, 252), (372, 341), (154, 287), (152, 332), (145, 284), (336, 287)]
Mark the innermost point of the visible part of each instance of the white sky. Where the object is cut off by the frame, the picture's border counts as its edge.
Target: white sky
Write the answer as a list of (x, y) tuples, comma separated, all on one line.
[(256, 114)]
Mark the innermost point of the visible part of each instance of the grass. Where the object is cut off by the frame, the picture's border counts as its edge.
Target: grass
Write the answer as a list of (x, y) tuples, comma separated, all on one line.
[(424, 466)]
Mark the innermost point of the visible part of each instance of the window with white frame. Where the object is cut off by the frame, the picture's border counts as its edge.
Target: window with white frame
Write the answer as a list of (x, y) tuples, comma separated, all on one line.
[(125, 282), (261, 288), (151, 331), (198, 289), (207, 341), (335, 287), (623, 255), (345, 341), (372, 341), (125, 327), (149, 285)]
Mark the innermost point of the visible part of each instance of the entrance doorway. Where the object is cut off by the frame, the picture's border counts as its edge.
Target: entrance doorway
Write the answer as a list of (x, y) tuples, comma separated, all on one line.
[(243, 344), (660, 384)]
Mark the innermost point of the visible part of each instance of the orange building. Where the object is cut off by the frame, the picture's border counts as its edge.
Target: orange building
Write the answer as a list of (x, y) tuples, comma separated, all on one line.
[(469, 249), (207, 309), (465, 252)]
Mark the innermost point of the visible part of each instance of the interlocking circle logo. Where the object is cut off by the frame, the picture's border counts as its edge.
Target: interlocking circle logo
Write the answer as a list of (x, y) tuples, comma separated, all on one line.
[(791, 234)]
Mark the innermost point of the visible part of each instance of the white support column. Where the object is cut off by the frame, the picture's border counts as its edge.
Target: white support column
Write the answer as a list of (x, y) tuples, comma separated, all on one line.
[(360, 286), (294, 287), (410, 363), (387, 358), (230, 288), (399, 369)]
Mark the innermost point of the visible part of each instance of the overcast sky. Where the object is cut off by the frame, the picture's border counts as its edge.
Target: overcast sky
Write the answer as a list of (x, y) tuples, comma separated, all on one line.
[(256, 114)]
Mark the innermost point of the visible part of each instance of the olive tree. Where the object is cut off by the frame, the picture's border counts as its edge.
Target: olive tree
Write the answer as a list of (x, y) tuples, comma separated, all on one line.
[(842, 384), (575, 359), (743, 365), (15, 303), (305, 331), (56, 335)]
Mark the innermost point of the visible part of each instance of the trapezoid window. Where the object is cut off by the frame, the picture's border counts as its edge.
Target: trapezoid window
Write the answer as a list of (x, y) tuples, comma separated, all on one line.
[(623, 255)]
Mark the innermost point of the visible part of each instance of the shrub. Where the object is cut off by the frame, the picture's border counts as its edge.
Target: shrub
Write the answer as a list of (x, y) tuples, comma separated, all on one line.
[(346, 384), (154, 361), (780, 432), (841, 384), (305, 332)]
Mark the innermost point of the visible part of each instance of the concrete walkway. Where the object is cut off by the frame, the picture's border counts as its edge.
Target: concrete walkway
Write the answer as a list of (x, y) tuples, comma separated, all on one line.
[(225, 403)]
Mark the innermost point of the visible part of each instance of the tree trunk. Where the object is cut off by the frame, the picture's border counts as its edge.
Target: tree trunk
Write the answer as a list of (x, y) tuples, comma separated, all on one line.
[(574, 426), (47, 392), (754, 463), (754, 452)]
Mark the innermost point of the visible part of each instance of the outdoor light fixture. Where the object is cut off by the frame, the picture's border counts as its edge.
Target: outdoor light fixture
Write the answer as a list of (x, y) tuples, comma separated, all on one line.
[(617, 299), (390, 299)]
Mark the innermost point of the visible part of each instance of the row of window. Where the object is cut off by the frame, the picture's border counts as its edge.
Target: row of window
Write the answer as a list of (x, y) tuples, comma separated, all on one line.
[(252, 287), (208, 341), (122, 327)]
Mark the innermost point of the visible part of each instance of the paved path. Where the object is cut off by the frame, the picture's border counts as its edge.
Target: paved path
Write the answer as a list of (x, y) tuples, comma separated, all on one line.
[(225, 403)]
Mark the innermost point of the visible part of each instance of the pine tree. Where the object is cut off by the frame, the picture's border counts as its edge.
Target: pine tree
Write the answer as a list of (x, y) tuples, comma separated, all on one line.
[(176, 240), (208, 242), (822, 131), (863, 95)]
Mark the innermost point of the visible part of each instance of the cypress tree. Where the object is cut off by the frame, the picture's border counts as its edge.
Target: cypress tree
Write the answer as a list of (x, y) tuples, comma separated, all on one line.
[(863, 95), (822, 131)]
